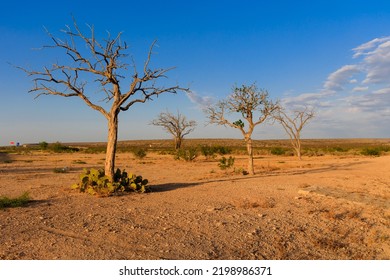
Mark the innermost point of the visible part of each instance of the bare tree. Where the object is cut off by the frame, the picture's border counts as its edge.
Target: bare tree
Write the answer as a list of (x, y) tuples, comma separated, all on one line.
[(101, 63), (177, 125), (249, 101), (293, 124)]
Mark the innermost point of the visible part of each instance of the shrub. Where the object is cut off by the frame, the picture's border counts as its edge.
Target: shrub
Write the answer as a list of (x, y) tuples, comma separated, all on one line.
[(43, 145), (95, 150), (95, 182), (371, 151), (223, 150), (188, 154), (225, 163), (139, 153), (278, 151), (59, 148), (22, 200), (208, 151)]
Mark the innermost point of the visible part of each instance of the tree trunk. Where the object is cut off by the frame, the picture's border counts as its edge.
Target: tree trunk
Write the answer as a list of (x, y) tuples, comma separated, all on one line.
[(251, 169), (111, 146), (297, 147), (177, 142), (299, 153)]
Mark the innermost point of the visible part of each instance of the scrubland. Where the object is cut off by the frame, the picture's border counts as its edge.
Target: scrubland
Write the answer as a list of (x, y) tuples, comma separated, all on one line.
[(334, 204)]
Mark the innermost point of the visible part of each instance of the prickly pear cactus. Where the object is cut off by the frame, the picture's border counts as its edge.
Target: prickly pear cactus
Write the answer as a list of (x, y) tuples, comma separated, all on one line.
[(95, 182)]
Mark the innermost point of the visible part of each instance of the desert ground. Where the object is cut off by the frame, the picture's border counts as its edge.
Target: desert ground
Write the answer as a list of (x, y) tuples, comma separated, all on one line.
[(325, 207)]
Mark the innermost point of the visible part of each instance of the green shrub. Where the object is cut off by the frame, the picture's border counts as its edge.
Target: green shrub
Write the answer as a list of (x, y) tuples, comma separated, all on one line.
[(43, 145), (59, 148), (210, 151), (188, 154), (22, 200), (95, 182), (278, 151), (95, 150), (371, 151), (223, 150), (225, 163), (139, 153)]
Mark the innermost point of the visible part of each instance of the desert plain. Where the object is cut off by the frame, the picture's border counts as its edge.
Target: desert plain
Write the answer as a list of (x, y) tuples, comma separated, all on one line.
[(327, 206)]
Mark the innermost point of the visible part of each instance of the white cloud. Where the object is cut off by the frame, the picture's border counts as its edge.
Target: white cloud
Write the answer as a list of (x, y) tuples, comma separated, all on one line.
[(359, 89), (363, 48), (355, 99), (377, 64), (382, 91), (341, 77), (201, 101)]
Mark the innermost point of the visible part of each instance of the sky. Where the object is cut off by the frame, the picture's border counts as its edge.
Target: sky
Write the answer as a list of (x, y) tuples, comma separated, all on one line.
[(333, 56)]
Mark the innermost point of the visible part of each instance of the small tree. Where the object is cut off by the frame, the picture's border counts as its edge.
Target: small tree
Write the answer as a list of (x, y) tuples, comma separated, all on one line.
[(293, 123), (176, 125), (249, 101), (101, 63)]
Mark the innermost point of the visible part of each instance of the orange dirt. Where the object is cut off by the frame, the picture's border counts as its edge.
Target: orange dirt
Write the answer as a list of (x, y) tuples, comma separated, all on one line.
[(326, 207)]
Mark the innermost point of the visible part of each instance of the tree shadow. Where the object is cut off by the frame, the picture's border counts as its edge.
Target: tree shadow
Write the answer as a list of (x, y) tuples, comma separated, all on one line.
[(37, 202), (333, 167), (173, 186)]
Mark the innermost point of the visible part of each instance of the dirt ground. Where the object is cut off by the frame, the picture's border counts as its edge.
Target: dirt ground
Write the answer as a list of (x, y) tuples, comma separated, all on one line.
[(327, 207)]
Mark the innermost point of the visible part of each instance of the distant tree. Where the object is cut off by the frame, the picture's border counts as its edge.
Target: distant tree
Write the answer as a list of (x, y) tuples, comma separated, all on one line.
[(254, 106), (293, 123), (101, 63), (177, 125)]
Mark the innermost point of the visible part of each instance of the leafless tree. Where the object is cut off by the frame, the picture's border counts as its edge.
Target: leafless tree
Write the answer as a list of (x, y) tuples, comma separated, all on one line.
[(254, 106), (293, 123), (101, 63), (177, 125)]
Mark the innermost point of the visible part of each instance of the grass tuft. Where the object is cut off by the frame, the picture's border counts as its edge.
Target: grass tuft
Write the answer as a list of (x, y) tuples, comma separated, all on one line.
[(20, 201)]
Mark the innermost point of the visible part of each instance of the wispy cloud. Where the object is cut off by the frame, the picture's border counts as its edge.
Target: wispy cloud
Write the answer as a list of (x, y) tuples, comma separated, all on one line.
[(359, 89), (355, 94), (377, 64), (341, 77), (366, 47), (201, 101)]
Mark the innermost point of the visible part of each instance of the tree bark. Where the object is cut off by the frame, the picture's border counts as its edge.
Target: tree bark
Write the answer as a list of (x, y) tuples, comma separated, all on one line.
[(249, 148), (111, 146), (298, 150), (177, 142)]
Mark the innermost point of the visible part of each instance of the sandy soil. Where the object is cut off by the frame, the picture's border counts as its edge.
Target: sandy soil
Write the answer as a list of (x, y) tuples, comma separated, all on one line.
[(327, 207)]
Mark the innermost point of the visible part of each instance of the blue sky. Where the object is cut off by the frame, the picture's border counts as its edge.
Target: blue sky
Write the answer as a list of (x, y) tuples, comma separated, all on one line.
[(331, 55)]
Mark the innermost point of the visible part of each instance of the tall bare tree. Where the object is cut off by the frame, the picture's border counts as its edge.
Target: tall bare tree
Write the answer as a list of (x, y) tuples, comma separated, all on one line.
[(177, 125), (101, 63), (293, 123), (254, 106)]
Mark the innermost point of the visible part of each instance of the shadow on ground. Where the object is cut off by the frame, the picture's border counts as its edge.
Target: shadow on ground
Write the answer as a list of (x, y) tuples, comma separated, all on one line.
[(172, 186)]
